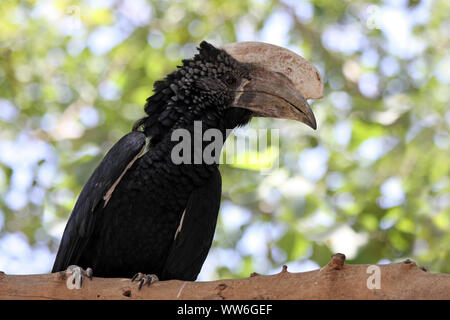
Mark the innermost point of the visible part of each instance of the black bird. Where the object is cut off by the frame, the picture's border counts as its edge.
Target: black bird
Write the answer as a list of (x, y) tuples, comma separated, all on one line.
[(140, 211)]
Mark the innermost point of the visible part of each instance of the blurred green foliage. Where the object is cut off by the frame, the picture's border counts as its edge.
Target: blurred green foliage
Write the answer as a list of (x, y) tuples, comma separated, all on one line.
[(372, 182)]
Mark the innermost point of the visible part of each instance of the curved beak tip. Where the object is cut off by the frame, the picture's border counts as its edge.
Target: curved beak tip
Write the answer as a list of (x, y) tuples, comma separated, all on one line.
[(311, 121)]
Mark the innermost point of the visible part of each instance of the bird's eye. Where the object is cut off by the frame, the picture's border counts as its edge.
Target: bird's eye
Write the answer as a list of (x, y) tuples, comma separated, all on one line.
[(229, 79)]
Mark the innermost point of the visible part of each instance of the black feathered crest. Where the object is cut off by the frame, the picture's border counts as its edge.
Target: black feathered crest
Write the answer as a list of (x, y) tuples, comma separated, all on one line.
[(177, 96), (208, 52)]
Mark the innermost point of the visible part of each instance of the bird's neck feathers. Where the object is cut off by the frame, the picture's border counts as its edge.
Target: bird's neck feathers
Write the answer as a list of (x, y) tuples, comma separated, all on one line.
[(191, 94)]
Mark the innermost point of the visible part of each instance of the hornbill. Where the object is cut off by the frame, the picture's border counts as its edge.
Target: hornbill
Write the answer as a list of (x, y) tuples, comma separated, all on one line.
[(142, 212)]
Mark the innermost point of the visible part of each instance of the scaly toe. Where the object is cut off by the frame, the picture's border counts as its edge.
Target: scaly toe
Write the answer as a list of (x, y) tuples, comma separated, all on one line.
[(144, 279), (76, 276)]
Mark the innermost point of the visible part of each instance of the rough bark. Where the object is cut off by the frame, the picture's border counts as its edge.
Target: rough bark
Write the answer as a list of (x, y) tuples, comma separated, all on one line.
[(404, 280)]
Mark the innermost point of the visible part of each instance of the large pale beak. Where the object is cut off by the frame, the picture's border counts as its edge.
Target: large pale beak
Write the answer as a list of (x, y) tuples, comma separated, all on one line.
[(280, 83), (272, 94)]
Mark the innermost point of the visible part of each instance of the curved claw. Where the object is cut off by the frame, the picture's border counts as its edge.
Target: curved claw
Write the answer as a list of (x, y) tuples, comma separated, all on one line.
[(144, 279), (89, 272)]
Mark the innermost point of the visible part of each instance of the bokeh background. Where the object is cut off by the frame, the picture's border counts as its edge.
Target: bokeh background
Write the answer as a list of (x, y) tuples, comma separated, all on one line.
[(372, 182)]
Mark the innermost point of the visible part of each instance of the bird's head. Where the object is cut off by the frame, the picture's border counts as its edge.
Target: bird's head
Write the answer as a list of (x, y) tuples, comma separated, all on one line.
[(232, 84)]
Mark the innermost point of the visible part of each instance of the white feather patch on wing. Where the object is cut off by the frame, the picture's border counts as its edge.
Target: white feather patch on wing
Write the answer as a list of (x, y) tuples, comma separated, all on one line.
[(110, 191), (179, 226)]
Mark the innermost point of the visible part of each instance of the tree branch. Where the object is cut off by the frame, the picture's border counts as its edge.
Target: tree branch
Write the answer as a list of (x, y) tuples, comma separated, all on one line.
[(403, 280)]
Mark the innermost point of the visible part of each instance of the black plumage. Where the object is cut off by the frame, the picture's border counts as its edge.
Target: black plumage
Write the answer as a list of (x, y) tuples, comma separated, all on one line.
[(132, 229), (140, 211)]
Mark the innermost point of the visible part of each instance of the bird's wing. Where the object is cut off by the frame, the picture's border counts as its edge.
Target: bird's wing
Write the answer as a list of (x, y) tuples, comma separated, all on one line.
[(95, 195), (195, 233)]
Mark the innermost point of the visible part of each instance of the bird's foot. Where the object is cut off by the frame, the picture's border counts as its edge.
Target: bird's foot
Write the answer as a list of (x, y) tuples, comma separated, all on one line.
[(144, 279), (75, 279)]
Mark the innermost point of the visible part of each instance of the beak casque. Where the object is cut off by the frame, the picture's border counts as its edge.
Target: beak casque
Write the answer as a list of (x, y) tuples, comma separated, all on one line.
[(279, 84)]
